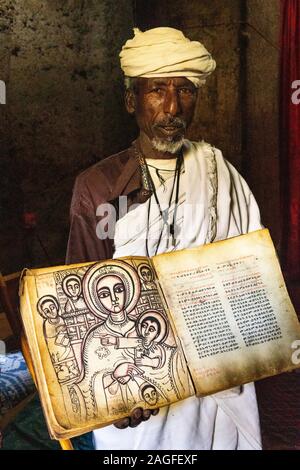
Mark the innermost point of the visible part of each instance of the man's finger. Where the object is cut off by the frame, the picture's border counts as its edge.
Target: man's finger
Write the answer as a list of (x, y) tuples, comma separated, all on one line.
[(136, 417), (123, 423), (146, 415)]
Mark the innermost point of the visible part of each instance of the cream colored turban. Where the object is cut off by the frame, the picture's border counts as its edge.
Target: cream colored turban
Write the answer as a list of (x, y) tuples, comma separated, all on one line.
[(166, 52)]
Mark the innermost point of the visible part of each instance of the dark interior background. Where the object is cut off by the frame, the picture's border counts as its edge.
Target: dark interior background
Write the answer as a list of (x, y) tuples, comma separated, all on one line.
[(65, 110)]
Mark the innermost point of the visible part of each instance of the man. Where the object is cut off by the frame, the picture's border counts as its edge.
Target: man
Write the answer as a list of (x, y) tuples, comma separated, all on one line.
[(179, 194)]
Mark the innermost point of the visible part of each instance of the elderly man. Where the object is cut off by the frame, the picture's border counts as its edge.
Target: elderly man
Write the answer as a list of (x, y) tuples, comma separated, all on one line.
[(179, 194)]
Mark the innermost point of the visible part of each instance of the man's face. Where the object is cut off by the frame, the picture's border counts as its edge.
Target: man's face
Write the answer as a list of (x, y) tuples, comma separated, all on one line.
[(164, 107)]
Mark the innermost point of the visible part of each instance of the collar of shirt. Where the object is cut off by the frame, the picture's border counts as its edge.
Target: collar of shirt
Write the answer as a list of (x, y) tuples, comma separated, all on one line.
[(131, 180)]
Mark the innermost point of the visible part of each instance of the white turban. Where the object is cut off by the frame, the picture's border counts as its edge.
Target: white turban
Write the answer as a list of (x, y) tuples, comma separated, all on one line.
[(166, 52)]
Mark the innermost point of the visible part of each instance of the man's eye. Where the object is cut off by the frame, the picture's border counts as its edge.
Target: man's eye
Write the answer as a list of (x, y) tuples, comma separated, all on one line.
[(157, 90), (186, 91)]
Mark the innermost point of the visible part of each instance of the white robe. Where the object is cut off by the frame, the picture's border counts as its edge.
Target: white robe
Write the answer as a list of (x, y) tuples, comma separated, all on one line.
[(215, 203)]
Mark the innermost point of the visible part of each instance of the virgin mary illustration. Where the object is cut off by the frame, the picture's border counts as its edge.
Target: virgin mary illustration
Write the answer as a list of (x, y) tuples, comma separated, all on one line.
[(111, 291)]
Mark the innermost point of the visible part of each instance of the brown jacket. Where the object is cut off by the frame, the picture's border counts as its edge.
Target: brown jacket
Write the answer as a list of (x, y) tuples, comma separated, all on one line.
[(102, 183)]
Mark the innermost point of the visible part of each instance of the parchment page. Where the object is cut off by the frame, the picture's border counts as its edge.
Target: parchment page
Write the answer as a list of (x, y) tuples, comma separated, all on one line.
[(231, 307), (101, 343)]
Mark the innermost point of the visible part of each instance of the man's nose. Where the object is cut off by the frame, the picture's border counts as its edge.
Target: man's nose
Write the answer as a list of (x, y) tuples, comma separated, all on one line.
[(172, 103)]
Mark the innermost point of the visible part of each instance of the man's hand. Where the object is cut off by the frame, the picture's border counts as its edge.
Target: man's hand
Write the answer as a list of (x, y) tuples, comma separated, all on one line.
[(137, 416)]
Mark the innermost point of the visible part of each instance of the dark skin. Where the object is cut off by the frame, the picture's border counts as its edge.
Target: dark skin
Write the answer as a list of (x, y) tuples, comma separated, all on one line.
[(157, 104), (163, 108)]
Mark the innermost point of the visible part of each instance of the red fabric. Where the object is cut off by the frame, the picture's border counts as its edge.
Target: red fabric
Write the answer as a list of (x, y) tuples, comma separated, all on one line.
[(290, 138)]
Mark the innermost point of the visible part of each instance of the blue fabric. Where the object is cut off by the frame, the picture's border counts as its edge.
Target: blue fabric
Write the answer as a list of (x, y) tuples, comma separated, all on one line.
[(15, 381), (84, 442), (29, 432)]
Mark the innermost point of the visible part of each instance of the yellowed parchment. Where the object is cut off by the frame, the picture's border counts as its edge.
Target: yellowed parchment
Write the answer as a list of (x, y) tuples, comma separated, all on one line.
[(231, 307), (101, 343)]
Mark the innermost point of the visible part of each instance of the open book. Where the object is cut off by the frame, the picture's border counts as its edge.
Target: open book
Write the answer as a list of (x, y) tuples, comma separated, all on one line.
[(111, 336)]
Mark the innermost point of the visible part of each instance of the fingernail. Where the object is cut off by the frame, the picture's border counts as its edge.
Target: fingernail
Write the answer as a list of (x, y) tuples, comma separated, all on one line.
[(155, 411), (147, 414)]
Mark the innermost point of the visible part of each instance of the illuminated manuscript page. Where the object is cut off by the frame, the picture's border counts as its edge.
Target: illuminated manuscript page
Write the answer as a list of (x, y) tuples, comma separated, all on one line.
[(101, 343), (231, 309)]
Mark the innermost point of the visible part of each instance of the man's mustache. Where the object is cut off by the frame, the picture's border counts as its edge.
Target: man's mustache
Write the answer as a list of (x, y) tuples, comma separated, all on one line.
[(171, 122)]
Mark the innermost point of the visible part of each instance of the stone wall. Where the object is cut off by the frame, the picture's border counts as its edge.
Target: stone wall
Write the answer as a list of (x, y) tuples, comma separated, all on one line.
[(261, 160), (64, 112)]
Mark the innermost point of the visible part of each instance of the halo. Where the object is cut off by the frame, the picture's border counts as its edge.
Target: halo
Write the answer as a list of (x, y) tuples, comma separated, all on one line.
[(164, 327), (67, 279), (46, 298), (124, 271)]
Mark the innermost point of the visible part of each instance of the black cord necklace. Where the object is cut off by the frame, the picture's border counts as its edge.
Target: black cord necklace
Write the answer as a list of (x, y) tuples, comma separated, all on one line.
[(159, 176), (165, 214)]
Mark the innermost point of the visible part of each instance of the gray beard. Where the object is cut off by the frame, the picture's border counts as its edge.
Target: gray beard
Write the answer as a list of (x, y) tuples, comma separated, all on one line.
[(165, 146)]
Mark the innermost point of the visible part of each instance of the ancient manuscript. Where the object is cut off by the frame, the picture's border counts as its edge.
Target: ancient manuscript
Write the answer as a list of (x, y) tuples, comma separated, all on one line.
[(111, 336)]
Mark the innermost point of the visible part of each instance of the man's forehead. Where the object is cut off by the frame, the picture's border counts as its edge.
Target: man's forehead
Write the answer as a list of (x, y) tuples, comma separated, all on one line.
[(166, 81)]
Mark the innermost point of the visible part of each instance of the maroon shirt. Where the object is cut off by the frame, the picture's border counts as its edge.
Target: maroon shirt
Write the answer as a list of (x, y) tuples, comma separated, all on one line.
[(117, 175)]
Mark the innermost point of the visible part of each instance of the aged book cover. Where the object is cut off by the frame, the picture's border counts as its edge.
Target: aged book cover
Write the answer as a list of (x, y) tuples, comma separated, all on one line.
[(111, 336)]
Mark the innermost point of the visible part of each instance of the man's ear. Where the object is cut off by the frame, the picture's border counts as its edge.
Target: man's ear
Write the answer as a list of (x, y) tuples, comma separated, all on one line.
[(130, 101)]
